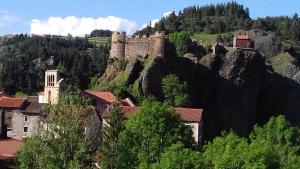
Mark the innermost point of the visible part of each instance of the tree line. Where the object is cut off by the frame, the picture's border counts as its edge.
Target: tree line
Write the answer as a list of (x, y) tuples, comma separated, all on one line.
[(25, 58), (222, 18)]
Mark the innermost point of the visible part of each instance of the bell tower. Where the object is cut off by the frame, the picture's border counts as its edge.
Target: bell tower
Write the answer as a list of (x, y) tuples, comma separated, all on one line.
[(52, 87)]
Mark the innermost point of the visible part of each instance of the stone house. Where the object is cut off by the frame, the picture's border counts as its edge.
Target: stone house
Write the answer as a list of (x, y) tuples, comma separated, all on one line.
[(26, 122), (243, 41)]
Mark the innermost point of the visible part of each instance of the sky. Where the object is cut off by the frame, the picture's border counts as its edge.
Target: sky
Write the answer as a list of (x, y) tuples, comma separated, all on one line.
[(80, 17)]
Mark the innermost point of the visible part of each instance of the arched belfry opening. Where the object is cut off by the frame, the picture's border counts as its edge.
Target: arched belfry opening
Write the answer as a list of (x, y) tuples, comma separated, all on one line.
[(52, 89)]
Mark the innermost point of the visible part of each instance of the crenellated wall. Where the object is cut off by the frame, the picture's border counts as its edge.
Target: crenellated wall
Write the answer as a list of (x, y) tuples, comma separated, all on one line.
[(137, 46)]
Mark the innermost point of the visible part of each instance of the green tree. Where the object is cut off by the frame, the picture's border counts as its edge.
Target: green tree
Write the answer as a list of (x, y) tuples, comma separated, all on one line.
[(225, 152), (275, 145), (110, 137), (179, 157), (148, 132), (175, 92), (182, 42), (62, 143)]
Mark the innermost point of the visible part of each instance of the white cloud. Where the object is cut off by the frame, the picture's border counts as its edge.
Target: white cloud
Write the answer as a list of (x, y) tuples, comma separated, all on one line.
[(80, 26), (6, 18), (154, 21)]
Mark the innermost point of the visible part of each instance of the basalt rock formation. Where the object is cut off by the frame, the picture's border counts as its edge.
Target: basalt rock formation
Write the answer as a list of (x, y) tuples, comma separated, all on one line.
[(236, 90)]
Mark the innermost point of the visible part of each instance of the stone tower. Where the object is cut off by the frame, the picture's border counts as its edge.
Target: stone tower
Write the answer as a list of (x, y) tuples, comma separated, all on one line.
[(118, 41), (53, 87), (158, 44)]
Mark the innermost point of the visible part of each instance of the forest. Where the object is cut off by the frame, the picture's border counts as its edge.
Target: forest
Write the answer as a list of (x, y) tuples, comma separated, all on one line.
[(25, 58)]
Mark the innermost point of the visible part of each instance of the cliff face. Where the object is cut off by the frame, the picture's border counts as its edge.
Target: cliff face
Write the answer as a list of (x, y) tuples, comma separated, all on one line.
[(236, 90)]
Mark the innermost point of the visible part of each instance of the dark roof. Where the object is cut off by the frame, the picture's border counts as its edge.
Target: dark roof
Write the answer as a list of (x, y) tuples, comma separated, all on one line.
[(186, 114), (33, 107), (11, 102)]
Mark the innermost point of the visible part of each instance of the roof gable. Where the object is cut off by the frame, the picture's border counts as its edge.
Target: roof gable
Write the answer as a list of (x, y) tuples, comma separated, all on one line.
[(101, 95)]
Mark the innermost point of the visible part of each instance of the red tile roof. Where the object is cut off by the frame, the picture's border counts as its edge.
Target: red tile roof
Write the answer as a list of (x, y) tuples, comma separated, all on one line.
[(10, 102), (186, 114), (189, 115), (243, 37), (8, 148), (101, 95)]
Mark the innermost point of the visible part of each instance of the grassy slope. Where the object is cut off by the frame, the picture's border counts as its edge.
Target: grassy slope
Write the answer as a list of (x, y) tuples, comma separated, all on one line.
[(99, 40), (209, 39), (280, 61)]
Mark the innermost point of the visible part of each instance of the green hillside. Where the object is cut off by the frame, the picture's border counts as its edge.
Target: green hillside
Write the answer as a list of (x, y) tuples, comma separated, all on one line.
[(99, 40)]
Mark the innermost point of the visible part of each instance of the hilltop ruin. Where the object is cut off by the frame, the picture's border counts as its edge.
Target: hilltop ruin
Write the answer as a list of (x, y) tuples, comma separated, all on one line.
[(137, 46)]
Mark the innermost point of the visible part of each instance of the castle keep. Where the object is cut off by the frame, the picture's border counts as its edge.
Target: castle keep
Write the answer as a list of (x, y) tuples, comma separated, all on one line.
[(132, 47)]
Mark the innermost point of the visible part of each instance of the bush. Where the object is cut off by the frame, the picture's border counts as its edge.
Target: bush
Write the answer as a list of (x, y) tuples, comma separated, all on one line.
[(182, 42), (175, 92)]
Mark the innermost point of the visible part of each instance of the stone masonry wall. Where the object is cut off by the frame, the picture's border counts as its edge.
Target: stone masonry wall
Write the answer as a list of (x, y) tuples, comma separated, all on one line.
[(18, 124), (134, 47), (137, 47)]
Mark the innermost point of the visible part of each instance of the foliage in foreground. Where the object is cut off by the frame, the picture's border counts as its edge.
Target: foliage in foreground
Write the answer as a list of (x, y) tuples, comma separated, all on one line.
[(110, 137), (275, 145), (63, 144), (155, 138), (147, 134)]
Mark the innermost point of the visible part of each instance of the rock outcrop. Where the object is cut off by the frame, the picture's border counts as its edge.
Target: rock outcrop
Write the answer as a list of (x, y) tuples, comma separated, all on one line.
[(236, 91), (268, 44)]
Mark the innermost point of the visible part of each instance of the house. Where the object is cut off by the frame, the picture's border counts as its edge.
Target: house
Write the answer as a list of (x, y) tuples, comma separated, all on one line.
[(103, 99), (9, 105), (243, 41), (26, 122), (190, 117)]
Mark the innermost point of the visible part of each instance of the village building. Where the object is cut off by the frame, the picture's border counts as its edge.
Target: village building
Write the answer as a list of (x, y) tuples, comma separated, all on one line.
[(242, 40), (190, 117)]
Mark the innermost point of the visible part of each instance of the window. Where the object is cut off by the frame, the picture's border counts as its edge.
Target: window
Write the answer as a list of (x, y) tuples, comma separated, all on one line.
[(25, 129), (26, 118), (9, 122)]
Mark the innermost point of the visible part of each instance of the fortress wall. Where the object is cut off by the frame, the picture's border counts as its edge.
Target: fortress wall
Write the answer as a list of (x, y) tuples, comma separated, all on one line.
[(138, 47), (130, 48)]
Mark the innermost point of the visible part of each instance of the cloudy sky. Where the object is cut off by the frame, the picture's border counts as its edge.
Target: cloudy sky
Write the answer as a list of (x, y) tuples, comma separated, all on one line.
[(80, 17)]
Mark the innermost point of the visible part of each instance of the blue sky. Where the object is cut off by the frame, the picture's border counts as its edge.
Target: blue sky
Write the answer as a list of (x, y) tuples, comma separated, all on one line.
[(78, 16)]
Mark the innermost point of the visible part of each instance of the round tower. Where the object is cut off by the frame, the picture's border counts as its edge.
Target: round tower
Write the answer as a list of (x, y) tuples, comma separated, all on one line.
[(159, 44), (117, 45)]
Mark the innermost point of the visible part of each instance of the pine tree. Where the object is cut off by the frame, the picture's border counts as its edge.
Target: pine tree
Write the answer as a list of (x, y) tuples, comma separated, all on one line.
[(110, 137)]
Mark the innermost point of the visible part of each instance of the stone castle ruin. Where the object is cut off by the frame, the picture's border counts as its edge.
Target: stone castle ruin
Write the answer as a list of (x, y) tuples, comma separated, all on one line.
[(137, 46)]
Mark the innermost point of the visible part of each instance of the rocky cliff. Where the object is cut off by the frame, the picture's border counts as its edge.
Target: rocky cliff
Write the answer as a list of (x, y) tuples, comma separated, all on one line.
[(236, 90)]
